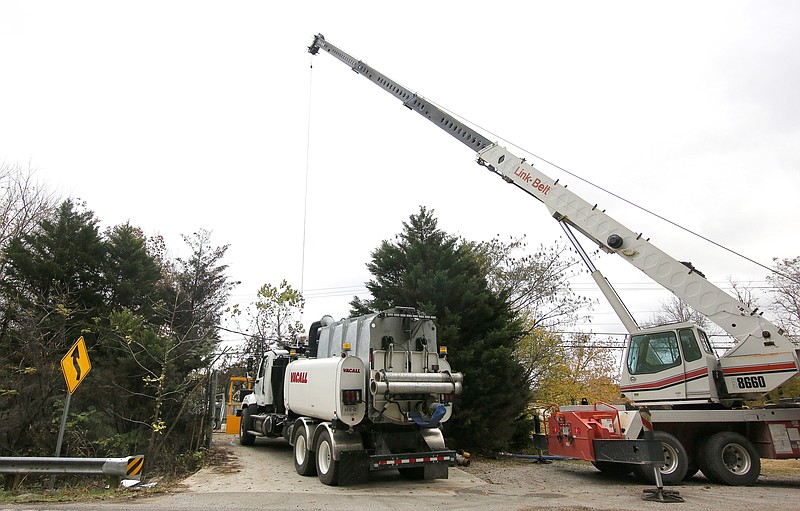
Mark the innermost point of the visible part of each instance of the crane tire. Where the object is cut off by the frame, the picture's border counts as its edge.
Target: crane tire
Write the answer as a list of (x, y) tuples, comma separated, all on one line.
[(729, 458), (327, 467), (676, 461), (246, 438), (304, 463)]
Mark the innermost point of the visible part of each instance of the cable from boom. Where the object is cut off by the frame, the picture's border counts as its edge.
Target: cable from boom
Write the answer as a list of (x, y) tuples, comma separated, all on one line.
[(305, 190)]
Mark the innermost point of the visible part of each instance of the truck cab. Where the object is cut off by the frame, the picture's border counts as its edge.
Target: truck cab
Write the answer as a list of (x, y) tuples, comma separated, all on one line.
[(268, 385)]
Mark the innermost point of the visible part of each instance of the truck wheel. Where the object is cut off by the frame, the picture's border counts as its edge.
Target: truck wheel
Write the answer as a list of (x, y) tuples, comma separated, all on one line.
[(246, 438), (676, 461), (729, 458), (612, 468), (327, 467), (303, 457)]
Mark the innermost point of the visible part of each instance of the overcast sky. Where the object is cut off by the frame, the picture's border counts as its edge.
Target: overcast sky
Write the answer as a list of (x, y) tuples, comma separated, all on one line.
[(181, 115)]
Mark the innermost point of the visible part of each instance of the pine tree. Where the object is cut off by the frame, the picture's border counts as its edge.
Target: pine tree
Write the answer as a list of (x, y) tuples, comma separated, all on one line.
[(57, 270), (435, 272), (132, 274)]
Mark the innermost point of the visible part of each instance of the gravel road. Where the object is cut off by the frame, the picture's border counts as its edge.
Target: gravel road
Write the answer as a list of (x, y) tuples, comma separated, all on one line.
[(490, 483), (263, 477)]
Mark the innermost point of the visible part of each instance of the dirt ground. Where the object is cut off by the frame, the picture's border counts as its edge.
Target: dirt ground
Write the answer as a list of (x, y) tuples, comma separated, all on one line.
[(263, 477), (504, 483)]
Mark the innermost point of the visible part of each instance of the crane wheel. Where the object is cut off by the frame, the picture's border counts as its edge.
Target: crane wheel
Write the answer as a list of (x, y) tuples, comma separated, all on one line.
[(729, 458), (676, 461)]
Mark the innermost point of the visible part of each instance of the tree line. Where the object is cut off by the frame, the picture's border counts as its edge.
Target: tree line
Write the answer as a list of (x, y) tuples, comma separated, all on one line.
[(152, 325)]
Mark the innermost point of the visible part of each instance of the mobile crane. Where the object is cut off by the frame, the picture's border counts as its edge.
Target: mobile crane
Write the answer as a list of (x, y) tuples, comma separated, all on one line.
[(693, 397)]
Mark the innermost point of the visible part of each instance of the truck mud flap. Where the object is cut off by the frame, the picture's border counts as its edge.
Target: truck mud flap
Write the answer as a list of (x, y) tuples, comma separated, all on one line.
[(353, 467), (443, 459), (635, 452)]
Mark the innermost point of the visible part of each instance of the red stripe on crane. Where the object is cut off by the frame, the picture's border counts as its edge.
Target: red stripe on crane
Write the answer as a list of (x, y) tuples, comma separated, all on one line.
[(762, 368)]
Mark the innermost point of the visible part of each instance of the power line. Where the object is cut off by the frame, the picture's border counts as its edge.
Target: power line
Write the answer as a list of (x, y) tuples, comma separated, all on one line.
[(624, 286)]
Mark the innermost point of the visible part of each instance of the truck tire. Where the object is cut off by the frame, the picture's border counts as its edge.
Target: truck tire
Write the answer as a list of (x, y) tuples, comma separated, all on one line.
[(729, 458), (246, 438), (327, 467), (303, 457), (676, 461), (612, 468)]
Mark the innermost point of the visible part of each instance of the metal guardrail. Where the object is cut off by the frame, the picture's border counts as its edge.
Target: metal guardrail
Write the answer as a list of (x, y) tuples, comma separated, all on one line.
[(14, 467)]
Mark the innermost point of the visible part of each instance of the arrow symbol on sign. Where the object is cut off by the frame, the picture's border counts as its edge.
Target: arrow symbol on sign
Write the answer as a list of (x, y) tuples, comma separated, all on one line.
[(75, 356)]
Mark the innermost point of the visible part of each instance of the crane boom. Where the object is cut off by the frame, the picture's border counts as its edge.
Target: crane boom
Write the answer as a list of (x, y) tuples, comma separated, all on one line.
[(437, 116), (761, 352)]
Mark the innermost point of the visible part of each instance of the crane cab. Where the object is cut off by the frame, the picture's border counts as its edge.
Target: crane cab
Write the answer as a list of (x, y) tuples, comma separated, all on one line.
[(669, 364)]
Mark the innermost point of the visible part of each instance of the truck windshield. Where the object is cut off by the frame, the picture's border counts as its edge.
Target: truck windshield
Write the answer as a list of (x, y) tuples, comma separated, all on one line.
[(651, 353)]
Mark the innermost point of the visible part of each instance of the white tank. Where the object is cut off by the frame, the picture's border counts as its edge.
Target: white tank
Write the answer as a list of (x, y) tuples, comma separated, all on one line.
[(327, 388)]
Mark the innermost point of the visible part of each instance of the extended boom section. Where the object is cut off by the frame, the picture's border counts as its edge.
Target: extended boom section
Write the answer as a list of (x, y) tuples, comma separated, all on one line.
[(425, 108)]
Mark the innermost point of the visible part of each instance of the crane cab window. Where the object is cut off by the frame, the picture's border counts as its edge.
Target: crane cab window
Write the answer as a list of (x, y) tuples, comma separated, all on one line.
[(691, 350), (651, 353)]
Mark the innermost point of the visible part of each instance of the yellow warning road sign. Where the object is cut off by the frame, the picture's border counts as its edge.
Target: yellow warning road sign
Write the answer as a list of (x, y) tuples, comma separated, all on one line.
[(76, 365)]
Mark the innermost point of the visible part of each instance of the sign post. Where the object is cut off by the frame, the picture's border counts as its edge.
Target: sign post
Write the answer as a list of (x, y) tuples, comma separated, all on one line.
[(75, 365)]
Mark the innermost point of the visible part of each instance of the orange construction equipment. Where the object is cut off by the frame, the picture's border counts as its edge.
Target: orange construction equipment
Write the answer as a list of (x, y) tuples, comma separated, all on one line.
[(234, 402), (573, 432)]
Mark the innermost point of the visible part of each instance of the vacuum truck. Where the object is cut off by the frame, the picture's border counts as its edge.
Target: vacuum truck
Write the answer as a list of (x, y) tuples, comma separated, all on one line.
[(366, 394)]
